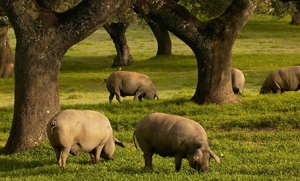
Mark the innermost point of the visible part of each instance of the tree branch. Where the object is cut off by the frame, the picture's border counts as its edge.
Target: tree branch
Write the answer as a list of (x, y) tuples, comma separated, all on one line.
[(82, 20)]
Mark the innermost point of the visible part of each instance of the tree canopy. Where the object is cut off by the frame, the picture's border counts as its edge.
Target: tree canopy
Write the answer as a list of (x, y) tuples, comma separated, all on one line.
[(206, 9)]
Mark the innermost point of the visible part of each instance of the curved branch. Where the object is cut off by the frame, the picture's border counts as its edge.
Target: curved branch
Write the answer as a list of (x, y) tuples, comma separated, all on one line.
[(82, 20)]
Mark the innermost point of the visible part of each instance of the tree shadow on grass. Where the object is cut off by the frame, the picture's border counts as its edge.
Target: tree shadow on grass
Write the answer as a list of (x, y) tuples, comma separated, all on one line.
[(11, 164), (132, 111), (99, 63), (115, 107)]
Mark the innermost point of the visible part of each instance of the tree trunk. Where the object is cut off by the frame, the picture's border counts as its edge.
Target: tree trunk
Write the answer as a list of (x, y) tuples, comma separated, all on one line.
[(210, 41), (164, 44), (117, 33), (43, 37), (296, 15), (295, 19), (36, 94), (6, 55)]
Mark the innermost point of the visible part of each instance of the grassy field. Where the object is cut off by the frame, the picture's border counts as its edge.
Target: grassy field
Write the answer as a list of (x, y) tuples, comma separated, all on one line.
[(257, 139)]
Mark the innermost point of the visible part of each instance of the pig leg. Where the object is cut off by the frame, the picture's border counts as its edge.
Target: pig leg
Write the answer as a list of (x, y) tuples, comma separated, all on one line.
[(93, 158), (64, 156), (138, 96), (276, 91), (95, 154), (148, 151), (118, 96), (148, 160), (57, 151), (178, 159), (111, 97)]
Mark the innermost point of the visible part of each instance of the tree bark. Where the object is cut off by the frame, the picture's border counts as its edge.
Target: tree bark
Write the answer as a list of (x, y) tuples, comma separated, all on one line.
[(210, 41), (164, 44), (296, 15), (117, 33), (43, 37), (295, 19), (6, 55)]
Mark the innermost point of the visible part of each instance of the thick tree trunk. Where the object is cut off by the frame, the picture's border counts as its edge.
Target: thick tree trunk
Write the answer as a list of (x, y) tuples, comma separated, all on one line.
[(43, 37), (6, 55), (164, 44), (295, 19), (210, 41), (36, 94), (117, 33)]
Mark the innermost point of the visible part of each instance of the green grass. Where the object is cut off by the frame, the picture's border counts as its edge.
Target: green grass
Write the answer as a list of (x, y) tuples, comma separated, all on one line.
[(257, 139)]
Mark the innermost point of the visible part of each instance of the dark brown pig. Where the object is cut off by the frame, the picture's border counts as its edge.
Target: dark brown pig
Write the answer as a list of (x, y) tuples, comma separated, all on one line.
[(175, 136), (279, 81), (78, 131), (124, 83)]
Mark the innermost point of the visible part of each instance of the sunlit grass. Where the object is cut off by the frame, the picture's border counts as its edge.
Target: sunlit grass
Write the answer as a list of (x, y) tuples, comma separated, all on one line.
[(257, 139)]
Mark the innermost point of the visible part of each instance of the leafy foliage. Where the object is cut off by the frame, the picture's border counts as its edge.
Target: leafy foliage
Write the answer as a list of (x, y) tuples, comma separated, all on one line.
[(206, 9), (278, 8)]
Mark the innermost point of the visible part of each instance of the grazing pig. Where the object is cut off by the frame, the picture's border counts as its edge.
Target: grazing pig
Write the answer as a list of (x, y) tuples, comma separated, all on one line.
[(238, 80), (170, 135), (124, 83), (279, 81), (78, 131)]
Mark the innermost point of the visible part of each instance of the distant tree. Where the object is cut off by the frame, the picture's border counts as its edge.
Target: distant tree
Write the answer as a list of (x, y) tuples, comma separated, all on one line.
[(296, 14), (116, 28), (6, 54), (43, 37), (280, 9), (164, 43)]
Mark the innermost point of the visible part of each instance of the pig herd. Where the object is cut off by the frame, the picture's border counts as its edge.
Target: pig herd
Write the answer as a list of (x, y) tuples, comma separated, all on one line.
[(78, 131)]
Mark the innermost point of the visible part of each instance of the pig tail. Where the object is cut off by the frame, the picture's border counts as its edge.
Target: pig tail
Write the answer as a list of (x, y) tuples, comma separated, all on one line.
[(53, 124)]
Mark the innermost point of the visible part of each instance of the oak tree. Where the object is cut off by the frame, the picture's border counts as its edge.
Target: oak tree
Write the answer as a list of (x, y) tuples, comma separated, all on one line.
[(6, 54), (211, 41), (43, 37), (116, 28)]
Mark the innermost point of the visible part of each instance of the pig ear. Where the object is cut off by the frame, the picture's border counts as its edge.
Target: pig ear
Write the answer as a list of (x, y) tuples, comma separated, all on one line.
[(212, 154), (117, 142), (197, 155)]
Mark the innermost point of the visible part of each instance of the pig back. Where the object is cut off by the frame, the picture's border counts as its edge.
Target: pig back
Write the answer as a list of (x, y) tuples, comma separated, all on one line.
[(289, 78), (168, 133), (237, 77), (85, 127), (128, 82), (286, 79)]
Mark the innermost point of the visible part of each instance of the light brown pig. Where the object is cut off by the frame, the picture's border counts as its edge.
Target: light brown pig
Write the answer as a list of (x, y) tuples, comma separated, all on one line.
[(279, 81), (125, 83), (238, 80), (78, 131), (175, 136)]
